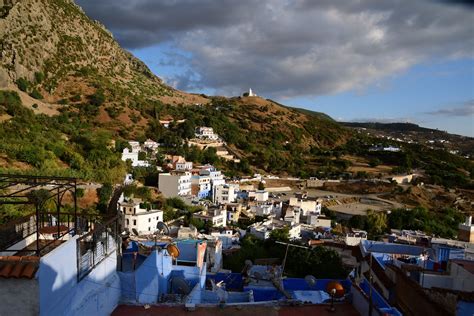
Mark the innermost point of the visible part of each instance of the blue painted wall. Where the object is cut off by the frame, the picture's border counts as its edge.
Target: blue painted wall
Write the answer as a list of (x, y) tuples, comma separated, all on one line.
[(60, 293)]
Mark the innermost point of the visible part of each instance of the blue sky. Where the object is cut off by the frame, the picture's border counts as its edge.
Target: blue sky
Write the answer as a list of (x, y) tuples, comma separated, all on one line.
[(365, 60)]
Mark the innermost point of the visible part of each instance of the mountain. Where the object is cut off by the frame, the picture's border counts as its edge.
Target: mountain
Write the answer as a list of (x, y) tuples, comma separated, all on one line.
[(414, 133), (54, 46), (81, 92)]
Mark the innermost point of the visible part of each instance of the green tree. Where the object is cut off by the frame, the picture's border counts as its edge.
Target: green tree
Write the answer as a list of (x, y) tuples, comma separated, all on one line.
[(281, 234), (261, 186), (376, 223)]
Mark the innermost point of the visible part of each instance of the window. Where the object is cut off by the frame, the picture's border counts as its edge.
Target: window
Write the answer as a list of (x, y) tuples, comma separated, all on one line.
[(149, 220), (149, 228), (128, 222), (134, 222)]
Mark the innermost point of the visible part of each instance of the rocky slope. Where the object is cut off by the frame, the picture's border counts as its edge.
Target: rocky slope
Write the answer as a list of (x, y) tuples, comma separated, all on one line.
[(54, 46)]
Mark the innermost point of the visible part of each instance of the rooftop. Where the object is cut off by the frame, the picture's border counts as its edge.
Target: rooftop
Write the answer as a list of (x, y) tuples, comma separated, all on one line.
[(466, 264), (341, 309), (18, 267)]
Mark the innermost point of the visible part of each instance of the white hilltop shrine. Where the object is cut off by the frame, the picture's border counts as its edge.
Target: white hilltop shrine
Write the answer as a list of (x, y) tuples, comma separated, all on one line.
[(250, 93)]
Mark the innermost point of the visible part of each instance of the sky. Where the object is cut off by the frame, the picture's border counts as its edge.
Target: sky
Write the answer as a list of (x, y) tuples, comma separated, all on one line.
[(364, 60)]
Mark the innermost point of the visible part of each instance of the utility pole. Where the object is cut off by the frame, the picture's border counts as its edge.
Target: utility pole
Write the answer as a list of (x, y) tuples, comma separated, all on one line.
[(287, 244)]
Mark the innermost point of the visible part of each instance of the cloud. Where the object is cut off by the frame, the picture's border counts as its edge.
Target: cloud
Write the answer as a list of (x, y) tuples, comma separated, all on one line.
[(467, 109), (286, 48)]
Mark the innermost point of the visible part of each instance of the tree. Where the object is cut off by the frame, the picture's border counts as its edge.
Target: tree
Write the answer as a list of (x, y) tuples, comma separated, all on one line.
[(261, 186), (104, 194), (98, 98), (376, 223), (281, 234)]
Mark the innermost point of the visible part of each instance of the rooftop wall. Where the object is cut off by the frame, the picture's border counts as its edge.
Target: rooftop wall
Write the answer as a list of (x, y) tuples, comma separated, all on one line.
[(60, 294)]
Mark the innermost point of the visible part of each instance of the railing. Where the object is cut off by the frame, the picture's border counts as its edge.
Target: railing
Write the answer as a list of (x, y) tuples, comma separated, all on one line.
[(21, 228), (96, 246)]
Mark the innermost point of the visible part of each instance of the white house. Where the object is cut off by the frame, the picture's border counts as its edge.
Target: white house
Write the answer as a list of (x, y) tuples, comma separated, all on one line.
[(306, 205), (151, 145), (227, 237), (317, 220), (259, 195), (128, 154), (262, 230), (138, 215), (217, 178), (175, 183), (182, 164), (201, 186), (217, 216), (132, 155), (223, 194), (204, 132)]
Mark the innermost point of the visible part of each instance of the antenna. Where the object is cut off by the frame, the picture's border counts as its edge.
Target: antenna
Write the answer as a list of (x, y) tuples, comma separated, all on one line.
[(310, 280), (180, 286), (135, 232), (163, 228)]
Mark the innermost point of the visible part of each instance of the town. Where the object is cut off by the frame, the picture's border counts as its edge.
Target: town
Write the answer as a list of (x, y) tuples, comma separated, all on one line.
[(210, 240), (226, 158)]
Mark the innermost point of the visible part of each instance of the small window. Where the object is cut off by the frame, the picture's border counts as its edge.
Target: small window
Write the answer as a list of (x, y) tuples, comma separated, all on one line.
[(134, 222), (149, 220), (128, 222), (149, 228)]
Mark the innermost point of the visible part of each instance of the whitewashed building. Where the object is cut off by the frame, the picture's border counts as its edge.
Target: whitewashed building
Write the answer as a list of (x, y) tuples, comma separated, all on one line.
[(175, 183), (204, 132), (217, 216), (223, 194), (139, 216), (307, 206)]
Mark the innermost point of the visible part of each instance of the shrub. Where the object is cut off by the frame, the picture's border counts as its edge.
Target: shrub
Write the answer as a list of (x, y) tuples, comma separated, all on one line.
[(36, 94), (35, 106), (98, 98), (39, 77), (23, 84), (76, 98)]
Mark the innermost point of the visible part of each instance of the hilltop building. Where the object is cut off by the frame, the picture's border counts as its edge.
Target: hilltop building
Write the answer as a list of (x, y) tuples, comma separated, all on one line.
[(250, 93)]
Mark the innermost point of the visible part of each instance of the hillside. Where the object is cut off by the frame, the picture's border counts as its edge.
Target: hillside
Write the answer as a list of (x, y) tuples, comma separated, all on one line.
[(70, 98), (82, 93), (53, 48), (413, 133)]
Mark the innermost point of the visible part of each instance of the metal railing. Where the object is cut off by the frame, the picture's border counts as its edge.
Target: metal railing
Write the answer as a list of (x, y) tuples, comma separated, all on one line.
[(66, 224), (96, 246)]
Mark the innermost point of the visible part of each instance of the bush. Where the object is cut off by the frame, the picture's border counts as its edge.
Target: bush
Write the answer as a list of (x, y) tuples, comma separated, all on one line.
[(76, 98), (39, 77), (23, 84), (98, 98), (36, 94), (35, 106)]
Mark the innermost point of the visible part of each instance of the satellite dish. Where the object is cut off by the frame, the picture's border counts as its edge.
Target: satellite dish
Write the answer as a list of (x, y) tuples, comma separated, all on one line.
[(335, 289), (310, 280), (173, 250), (163, 228), (135, 232), (180, 286)]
